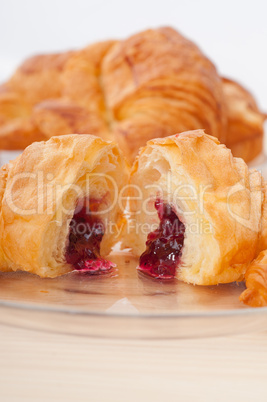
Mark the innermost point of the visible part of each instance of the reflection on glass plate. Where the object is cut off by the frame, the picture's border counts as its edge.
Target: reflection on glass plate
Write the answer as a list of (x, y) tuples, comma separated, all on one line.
[(125, 304)]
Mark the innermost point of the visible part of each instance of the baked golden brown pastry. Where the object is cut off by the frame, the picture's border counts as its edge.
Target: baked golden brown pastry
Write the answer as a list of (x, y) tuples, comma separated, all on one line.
[(196, 211), (58, 202), (245, 121), (256, 274), (37, 79), (256, 282), (154, 84)]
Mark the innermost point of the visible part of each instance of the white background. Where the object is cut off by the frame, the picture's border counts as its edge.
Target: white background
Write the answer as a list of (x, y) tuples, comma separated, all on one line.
[(232, 33)]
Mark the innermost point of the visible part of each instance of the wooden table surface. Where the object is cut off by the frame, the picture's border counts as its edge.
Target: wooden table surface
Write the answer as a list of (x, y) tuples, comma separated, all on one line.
[(37, 366)]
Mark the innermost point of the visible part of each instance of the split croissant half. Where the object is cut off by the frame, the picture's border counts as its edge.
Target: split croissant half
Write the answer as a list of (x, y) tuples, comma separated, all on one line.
[(57, 205), (154, 84), (194, 211), (193, 181)]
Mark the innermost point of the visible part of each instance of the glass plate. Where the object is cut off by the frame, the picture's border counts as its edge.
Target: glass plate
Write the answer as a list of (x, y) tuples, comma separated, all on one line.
[(125, 304)]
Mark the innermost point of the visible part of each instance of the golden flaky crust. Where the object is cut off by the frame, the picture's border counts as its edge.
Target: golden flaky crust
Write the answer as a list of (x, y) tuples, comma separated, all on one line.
[(214, 194), (256, 275), (158, 83), (39, 192), (154, 84), (256, 282), (245, 121)]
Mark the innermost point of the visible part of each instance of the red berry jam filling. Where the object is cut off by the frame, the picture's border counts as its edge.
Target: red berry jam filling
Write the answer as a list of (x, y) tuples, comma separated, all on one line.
[(164, 245), (86, 233)]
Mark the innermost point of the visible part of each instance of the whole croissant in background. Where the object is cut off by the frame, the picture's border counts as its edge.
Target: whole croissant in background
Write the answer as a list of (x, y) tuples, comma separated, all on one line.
[(154, 84)]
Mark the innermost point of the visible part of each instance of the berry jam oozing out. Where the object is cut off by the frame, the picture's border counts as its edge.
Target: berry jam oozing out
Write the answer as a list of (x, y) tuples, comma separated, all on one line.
[(164, 245), (86, 233)]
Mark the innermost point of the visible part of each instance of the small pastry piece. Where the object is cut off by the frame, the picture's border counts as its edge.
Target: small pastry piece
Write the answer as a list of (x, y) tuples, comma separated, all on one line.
[(195, 210), (245, 121), (256, 282), (256, 274), (58, 205)]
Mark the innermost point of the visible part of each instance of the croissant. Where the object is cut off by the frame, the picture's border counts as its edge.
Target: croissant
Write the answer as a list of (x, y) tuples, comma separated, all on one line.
[(59, 205), (153, 84), (256, 282), (196, 212)]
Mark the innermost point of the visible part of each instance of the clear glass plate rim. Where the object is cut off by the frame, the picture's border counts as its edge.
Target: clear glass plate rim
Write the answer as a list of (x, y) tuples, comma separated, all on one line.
[(104, 314)]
